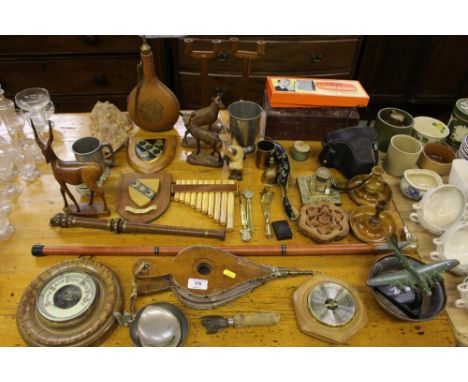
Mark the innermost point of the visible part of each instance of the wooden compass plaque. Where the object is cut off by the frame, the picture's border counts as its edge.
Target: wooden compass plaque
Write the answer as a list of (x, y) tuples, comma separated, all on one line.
[(329, 309)]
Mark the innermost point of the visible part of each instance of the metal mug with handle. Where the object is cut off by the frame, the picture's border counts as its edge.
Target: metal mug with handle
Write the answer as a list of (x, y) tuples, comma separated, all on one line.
[(91, 149)]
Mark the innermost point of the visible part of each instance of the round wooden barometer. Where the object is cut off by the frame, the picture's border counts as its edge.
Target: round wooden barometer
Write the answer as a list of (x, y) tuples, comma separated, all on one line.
[(70, 304)]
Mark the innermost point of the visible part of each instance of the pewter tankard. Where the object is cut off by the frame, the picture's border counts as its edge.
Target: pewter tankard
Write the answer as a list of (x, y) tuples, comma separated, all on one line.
[(244, 121), (90, 149)]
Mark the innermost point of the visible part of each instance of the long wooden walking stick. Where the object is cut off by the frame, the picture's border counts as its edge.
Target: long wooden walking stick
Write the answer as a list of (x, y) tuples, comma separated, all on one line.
[(250, 250)]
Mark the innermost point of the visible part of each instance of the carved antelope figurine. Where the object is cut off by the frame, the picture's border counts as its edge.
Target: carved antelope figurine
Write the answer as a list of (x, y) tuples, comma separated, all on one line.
[(209, 137), (208, 115), (72, 172)]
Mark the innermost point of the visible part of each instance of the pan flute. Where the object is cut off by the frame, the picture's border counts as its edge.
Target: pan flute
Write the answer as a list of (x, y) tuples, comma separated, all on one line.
[(214, 198)]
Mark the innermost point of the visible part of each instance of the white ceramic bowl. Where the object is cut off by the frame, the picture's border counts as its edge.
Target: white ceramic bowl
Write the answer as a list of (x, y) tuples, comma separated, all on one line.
[(416, 182), (440, 208), (453, 244), (427, 129)]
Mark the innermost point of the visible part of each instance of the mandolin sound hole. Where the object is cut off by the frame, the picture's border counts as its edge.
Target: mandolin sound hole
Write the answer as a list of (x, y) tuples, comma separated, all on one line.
[(204, 268)]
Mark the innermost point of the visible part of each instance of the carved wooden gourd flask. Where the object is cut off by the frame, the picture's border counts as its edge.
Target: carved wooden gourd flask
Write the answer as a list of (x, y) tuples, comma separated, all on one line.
[(151, 104)]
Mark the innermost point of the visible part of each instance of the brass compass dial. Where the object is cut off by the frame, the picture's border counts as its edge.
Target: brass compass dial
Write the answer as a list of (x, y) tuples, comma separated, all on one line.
[(69, 304), (329, 309), (332, 304)]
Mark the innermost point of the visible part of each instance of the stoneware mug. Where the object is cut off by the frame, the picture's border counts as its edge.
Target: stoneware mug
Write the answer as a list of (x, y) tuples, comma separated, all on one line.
[(463, 289), (90, 149), (402, 154), (386, 130)]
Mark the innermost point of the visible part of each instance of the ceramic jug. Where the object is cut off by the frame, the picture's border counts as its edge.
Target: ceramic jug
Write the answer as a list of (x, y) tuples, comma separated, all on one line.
[(151, 104)]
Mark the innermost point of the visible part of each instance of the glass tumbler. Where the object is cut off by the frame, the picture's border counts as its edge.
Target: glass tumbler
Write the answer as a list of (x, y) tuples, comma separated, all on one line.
[(26, 165), (30, 145), (7, 174), (5, 207), (6, 229)]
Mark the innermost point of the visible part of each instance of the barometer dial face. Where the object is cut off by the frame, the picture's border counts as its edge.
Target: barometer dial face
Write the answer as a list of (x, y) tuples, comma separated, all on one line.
[(67, 296), (332, 304)]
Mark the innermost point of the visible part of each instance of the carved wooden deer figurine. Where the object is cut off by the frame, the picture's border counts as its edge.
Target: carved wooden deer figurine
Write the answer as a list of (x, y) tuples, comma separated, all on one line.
[(210, 138), (74, 173), (208, 115)]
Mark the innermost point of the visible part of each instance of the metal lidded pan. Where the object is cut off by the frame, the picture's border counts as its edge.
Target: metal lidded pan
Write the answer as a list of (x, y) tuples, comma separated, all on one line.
[(160, 324)]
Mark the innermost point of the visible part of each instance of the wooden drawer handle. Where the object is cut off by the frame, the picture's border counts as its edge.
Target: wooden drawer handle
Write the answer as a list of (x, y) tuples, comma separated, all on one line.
[(100, 79), (90, 40), (222, 57), (221, 91), (317, 57)]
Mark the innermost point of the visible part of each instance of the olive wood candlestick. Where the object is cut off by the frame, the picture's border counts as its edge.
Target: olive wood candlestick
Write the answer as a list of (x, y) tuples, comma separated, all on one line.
[(204, 56), (246, 56)]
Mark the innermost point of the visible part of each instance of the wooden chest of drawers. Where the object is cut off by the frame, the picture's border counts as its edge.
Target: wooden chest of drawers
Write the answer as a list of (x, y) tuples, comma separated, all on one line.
[(77, 70), (305, 56)]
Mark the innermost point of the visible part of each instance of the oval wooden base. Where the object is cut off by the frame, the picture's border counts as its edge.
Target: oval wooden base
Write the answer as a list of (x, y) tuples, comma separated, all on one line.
[(81, 331), (87, 210), (203, 159)]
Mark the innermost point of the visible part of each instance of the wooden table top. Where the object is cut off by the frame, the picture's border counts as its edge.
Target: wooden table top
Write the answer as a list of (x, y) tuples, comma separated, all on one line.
[(41, 200)]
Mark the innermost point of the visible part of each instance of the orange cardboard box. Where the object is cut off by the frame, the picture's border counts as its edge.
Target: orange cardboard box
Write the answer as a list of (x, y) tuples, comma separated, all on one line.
[(309, 92)]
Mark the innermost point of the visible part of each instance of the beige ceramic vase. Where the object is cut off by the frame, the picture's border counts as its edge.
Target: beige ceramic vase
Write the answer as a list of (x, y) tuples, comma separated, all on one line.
[(151, 104)]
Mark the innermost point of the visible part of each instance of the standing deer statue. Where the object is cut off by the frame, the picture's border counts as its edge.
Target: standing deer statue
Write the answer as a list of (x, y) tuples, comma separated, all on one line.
[(210, 138), (208, 115), (74, 173)]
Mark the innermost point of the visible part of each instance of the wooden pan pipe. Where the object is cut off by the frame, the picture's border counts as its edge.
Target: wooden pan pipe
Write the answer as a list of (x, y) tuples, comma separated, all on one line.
[(214, 198)]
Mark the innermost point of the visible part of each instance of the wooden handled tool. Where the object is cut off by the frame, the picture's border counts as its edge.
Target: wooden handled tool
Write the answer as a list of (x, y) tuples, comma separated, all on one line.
[(214, 324), (244, 250), (123, 226)]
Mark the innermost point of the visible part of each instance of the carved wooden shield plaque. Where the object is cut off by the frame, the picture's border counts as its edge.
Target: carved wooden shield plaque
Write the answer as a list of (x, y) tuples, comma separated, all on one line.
[(142, 198)]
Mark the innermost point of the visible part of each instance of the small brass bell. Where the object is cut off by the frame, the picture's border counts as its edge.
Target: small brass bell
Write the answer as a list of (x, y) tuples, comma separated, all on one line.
[(270, 173)]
